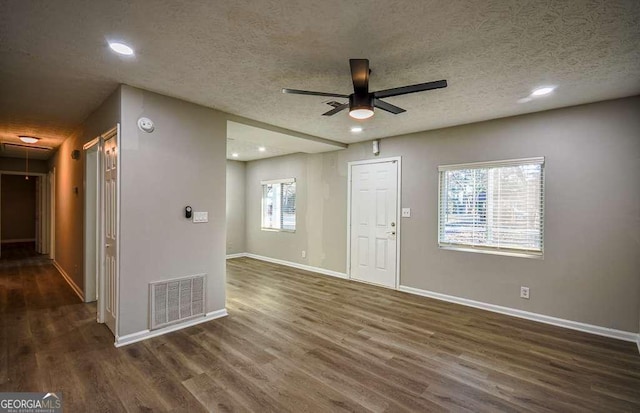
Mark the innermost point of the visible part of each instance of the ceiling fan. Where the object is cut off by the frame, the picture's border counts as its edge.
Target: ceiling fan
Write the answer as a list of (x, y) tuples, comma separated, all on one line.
[(361, 101)]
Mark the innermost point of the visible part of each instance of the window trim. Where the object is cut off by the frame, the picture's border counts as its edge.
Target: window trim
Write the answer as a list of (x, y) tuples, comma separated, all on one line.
[(505, 251), (276, 182)]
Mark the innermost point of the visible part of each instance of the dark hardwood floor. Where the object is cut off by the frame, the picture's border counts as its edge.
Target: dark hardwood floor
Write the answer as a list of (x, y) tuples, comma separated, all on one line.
[(296, 341)]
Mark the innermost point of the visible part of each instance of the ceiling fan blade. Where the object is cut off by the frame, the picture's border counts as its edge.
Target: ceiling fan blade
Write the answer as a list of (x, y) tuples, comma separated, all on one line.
[(307, 92), (360, 75), (336, 110), (420, 87), (387, 106)]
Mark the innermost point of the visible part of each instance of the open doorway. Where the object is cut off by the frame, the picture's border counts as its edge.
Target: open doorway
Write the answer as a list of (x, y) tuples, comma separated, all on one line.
[(24, 215), (91, 222), (101, 226)]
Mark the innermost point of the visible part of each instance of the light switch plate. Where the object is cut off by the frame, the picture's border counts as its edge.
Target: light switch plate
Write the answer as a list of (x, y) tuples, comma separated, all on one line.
[(200, 216), (406, 212)]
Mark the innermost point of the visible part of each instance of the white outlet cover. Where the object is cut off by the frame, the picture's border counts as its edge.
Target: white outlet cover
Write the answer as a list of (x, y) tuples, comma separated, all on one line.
[(146, 125), (406, 212)]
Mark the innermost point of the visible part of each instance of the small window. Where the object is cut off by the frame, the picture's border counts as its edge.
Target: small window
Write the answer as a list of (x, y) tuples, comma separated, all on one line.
[(493, 207), (279, 205)]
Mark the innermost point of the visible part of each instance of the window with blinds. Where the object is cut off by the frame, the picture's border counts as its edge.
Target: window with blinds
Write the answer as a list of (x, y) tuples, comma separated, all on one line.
[(279, 204), (493, 207)]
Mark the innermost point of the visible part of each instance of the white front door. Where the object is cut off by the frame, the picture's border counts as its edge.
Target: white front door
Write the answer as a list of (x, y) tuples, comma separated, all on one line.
[(110, 215), (374, 225)]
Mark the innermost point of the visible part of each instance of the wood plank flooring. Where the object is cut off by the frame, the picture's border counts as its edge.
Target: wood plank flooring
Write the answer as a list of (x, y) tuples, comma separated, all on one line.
[(295, 341)]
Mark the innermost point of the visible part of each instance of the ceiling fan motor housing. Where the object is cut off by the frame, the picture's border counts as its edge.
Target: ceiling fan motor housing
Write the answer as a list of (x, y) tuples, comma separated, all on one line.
[(361, 101)]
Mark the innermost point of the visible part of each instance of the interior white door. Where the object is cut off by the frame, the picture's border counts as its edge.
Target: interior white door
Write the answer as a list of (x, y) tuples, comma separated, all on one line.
[(374, 211), (110, 199)]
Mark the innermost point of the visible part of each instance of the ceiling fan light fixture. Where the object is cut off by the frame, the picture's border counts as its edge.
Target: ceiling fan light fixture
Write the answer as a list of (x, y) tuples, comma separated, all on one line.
[(28, 139), (361, 113)]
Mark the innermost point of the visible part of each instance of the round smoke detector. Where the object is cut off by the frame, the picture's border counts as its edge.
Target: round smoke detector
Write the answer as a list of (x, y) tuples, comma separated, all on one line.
[(146, 125)]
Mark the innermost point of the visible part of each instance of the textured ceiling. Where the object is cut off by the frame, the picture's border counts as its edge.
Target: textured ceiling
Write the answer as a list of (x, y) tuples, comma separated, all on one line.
[(55, 66)]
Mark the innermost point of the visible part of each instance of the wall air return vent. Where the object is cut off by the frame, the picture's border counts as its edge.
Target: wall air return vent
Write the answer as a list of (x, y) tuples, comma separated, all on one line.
[(176, 300)]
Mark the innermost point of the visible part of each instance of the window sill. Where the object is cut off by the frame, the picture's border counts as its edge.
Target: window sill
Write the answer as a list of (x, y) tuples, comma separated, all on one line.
[(508, 253), (278, 230)]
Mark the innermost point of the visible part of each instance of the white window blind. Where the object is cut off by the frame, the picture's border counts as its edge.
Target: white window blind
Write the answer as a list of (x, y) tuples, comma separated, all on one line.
[(279, 204), (493, 206)]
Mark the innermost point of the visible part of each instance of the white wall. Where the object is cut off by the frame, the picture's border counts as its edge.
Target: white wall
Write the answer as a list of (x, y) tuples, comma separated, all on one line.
[(235, 209), (181, 163), (590, 271)]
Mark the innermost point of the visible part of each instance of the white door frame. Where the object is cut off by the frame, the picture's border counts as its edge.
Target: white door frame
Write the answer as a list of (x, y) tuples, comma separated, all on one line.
[(94, 249), (350, 165), (100, 243)]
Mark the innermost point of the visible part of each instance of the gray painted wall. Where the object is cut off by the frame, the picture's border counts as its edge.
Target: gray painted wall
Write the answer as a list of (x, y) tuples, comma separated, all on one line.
[(590, 271), (18, 207), (69, 175), (236, 207), (181, 163)]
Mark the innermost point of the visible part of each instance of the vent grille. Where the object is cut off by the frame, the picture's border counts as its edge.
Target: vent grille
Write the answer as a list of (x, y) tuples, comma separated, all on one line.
[(176, 300)]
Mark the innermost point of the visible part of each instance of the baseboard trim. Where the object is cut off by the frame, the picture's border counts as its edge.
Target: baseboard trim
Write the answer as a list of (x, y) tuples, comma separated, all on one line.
[(560, 322), (69, 281), (147, 334), (238, 255), (318, 270)]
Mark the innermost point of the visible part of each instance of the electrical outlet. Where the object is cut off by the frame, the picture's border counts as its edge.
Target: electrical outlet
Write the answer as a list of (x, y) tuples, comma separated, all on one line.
[(524, 292), (406, 212), (304, 254)]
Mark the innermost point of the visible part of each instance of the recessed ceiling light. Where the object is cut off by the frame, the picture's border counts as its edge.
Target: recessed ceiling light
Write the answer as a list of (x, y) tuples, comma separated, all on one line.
[(28, 139), (235, 155), (121, 48), (262, 149), (541, 91), (356, 129)]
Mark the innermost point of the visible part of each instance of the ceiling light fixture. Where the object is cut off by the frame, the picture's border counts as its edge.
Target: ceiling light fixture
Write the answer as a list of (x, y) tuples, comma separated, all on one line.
[(262, 149), (121, 48), (361, 113), (28, 139), (235, 155), (361, 106), (541, 91), (356, 129)]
